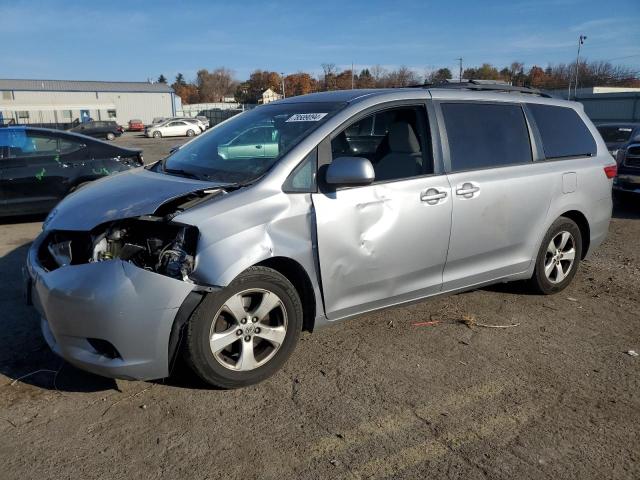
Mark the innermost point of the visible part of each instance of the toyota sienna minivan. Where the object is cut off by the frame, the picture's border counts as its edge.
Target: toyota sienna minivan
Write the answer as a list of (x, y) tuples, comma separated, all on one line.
[(372, 198)]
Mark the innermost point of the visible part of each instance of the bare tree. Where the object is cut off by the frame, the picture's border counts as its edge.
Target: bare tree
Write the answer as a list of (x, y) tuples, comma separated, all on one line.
[(378, 73), (329, 78), (215, 85), (402, 77)]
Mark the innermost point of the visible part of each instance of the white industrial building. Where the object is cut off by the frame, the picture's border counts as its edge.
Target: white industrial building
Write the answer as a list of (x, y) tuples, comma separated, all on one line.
[(63, 102)]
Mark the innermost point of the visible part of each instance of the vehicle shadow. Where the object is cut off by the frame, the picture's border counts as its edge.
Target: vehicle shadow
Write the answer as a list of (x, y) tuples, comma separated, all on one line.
[(24, 355)]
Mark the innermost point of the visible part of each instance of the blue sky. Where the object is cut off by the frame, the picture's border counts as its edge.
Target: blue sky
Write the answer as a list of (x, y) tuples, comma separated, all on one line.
[(127, 40)]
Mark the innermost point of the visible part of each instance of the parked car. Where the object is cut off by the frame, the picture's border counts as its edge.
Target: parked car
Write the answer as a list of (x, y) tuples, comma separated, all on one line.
[(227, 260), (38, 166), (204, 120), (623, 141), (173, 128), (194, 121), (108, 130), (136, 126), (255, 142)]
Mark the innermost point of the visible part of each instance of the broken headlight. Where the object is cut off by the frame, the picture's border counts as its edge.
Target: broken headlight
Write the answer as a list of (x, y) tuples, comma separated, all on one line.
[(149, 243), (165, 248)]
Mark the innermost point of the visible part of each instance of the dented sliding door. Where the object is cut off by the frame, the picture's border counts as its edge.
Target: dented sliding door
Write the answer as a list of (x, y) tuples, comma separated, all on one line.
[(382, 244)]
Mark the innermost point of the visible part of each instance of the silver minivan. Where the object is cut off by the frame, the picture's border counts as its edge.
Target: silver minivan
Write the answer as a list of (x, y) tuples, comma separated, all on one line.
[(373, 198)]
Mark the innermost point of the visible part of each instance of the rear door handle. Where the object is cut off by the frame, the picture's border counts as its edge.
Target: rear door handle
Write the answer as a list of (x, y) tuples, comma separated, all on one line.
[(467, 190), (432, 196)]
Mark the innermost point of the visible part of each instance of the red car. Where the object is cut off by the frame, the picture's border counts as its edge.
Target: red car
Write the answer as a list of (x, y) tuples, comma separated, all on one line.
[(136, 126)]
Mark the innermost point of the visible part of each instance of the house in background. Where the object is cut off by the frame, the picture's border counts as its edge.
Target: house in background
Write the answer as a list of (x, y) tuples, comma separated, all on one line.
[(269, 96)]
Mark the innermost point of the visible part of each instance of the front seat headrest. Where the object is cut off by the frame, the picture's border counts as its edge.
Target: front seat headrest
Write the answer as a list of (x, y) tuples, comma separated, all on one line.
[(402, 138)]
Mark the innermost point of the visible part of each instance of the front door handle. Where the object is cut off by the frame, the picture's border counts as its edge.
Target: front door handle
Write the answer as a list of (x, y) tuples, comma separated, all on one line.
[(467, 190), (432, 196)]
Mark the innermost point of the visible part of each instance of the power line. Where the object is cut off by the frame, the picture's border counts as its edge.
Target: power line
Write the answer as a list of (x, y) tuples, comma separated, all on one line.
[(620, 58)]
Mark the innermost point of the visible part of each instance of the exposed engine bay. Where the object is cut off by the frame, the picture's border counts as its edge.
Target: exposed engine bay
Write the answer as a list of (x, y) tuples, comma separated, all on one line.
[(152, 242), (162, 248), (148, 242)]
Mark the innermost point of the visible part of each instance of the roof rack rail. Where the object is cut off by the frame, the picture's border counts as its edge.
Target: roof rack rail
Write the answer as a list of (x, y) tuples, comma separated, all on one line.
[(486, 85)]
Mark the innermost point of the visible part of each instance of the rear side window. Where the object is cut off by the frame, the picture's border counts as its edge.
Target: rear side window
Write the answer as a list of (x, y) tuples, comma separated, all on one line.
[(563, 132), (484, 135)]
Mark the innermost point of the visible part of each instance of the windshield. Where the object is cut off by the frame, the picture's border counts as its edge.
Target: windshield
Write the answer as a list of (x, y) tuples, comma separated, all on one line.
[(246, 146), (615, 134)]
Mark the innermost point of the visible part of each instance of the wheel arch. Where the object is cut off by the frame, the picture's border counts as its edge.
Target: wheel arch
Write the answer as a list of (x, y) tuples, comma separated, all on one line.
[(299, 278), (583, 225)]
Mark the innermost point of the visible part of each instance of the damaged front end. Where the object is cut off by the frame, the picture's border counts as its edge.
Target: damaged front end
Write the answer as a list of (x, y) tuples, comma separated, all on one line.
[(111, 277), (149, 243), (152, 242)]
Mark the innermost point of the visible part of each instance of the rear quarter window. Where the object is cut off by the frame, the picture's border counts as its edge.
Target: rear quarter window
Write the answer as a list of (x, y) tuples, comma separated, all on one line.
[(563, 132), (485, 135)]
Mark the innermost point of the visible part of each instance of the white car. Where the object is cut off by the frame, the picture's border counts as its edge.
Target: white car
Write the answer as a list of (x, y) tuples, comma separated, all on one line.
[(204, 120), (196, 121), (173, 128)]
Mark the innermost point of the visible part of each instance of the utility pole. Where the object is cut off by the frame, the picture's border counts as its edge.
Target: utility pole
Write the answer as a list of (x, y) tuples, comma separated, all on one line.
[(282, 77), (351, 75), (460, 75), (581, 40)]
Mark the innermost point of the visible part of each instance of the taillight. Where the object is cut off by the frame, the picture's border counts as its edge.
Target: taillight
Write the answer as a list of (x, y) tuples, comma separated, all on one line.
[(611, 171)]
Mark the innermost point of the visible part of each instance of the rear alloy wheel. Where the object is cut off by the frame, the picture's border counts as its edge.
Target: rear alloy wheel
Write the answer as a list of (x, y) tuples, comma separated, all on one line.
[(190, 133), (558, 257), (111, 136), (157, 134), (244, 333)]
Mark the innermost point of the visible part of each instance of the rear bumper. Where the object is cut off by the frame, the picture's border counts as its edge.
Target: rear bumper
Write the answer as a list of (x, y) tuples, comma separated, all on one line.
[(113, 301)]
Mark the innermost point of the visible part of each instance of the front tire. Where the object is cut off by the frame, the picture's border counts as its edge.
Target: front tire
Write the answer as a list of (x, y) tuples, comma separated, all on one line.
[(558, 257), (244, 333), (157, 135), (111, 136)]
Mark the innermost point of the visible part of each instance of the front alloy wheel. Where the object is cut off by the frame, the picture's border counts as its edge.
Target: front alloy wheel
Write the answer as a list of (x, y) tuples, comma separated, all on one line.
[(245, 332), (248, 330)]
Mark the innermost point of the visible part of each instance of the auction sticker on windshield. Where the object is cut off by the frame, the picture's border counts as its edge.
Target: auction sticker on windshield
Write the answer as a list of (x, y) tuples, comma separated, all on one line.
[(306, 117)]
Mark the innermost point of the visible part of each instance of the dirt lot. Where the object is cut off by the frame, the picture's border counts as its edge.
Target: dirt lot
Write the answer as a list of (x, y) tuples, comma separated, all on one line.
[(376, 397)]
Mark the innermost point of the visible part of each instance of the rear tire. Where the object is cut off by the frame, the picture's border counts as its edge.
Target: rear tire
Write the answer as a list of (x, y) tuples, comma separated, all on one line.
[(111, 136), (558, 257), (190, 133), (244, 333)]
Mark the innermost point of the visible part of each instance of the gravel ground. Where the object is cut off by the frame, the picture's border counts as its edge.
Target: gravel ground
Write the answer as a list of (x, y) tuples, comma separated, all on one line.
[(375, 397)]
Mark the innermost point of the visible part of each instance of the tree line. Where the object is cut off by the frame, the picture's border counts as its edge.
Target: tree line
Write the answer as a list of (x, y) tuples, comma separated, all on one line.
[(220, 83)]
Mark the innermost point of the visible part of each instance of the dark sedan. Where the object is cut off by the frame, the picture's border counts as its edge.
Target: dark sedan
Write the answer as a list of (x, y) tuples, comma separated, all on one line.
[(108, 130), (38, 166), (623, 141)]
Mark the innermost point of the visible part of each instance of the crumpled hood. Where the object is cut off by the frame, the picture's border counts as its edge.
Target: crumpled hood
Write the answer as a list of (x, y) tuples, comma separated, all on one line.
[(129, 194)]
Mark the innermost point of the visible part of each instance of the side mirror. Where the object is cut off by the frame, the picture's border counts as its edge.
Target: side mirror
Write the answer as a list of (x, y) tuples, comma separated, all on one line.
[(346, 171), (174, 149)]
